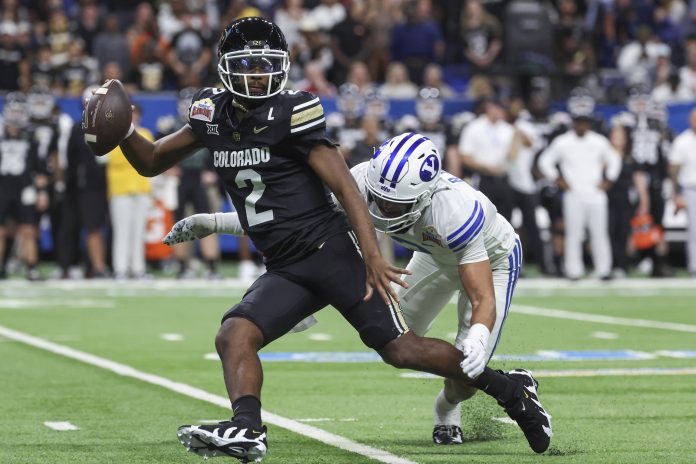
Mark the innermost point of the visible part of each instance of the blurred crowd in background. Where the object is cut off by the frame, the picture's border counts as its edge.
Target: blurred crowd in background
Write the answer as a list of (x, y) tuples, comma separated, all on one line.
[(513, 58)]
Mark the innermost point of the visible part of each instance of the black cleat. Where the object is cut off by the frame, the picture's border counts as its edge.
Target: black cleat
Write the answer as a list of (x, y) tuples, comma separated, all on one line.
[(527, 411), (227, 438), (447, 435)]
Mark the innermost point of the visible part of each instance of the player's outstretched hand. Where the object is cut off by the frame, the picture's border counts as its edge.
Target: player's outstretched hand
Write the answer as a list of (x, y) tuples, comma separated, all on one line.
[(191, 228), (380, 275)]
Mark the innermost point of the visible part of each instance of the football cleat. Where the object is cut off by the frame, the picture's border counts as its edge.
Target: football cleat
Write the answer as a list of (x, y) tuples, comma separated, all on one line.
[(448, 435), (227, 438), (527, 411)]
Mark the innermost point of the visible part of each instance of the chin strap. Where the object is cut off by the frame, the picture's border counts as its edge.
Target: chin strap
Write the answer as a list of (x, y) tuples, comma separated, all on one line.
[(239, 106)]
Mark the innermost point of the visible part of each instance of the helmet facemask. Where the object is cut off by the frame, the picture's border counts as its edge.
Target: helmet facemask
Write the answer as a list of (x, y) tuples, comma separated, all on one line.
[(240, 71), (391, 215)]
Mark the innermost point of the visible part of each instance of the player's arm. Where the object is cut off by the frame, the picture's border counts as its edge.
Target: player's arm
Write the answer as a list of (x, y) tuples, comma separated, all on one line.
[(201, 225), (477, 280), (328, 163), (153, 158)]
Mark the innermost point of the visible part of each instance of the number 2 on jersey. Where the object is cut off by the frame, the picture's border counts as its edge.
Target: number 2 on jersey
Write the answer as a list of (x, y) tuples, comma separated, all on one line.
[(253, 218)]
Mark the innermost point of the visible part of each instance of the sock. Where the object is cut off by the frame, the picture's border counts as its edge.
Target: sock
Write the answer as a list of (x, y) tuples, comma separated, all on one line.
[(445, 412), (496, 384), (212, 265), (248, 409)]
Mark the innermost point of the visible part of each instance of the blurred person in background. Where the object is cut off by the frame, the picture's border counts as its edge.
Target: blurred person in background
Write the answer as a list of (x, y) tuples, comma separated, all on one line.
[(111, 46), (43, 124), (650, 141), (484, 147), (129, 204), (89, 23), (148, 72), (85, 205), (687, 73), (189, 55), (481, 36), (429, 111), (452, 162), (621, 206), (682, 161), (526, 143), (23, 185), (196, 176), (359, 75), (638, 59), (13, 59), (315, 81), (432, 78), (43, 71), (583, 164), (418, 40), (327, 14), (348, 41), (364, 149), (380, 18), (398, 86), (79, 71), (288, 17), (347, 121), (314, 47)]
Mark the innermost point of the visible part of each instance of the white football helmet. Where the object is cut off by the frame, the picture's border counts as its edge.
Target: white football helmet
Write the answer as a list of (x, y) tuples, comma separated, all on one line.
[(400, 179)]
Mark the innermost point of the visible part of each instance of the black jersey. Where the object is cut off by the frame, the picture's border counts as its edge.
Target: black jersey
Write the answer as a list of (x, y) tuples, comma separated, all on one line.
[(46, 135), (261, 157), (19, 161)]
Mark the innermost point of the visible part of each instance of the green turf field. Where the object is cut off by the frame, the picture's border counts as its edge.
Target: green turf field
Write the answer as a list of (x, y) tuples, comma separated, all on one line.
[(166, 329)]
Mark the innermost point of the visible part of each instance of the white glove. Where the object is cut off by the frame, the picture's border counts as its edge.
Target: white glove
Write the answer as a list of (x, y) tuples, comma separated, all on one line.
[(191, 228), (201, 225), (474, 348)]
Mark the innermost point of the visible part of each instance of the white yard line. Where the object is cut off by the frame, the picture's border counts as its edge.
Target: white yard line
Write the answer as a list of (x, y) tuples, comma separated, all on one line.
[(601, 319), (61, 426), (193, 392)]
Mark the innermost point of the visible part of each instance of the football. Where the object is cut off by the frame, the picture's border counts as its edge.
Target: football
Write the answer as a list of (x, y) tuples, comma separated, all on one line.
[(107, 117)]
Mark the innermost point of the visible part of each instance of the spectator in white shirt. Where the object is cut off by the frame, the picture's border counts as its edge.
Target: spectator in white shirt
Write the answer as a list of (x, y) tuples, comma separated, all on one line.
[(485, 147), (638, 59), (682, 160), (588, 165)]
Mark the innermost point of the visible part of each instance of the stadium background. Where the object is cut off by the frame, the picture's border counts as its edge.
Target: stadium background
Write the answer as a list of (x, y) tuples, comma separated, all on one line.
[(483, 49)]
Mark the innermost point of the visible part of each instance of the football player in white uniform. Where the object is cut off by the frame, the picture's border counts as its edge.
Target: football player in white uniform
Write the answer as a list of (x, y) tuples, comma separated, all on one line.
[(461, 246)]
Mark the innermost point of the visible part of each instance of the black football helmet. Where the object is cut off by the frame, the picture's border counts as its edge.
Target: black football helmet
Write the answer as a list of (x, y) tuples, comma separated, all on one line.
[(253, 47)]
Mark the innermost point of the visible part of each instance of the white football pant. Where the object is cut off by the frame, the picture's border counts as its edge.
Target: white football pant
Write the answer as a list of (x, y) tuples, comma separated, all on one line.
[(581, 210)]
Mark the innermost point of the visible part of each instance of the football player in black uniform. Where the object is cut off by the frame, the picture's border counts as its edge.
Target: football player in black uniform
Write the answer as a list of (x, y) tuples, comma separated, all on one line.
[(23, 184), (270, 149)]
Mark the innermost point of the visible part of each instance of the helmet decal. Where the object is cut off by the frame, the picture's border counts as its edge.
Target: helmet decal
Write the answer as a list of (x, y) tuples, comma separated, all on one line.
[(430, 168)]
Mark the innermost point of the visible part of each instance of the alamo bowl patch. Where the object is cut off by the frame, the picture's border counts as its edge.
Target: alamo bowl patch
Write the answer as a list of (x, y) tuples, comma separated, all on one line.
[(203, 110), (431, 235)]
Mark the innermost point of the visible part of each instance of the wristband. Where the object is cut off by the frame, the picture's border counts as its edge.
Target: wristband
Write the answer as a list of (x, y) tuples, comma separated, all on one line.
[(130, 131)]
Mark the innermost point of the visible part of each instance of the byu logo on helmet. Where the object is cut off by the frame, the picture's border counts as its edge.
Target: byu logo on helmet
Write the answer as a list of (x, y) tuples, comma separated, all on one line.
[(430, 168), (400, 178)]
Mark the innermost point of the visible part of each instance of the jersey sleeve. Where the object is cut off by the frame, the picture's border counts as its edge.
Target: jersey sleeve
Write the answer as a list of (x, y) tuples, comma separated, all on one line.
[(307, 125), (461, 221)]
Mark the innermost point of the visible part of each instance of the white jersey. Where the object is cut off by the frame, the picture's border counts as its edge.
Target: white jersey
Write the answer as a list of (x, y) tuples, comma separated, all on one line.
[(460, 226)]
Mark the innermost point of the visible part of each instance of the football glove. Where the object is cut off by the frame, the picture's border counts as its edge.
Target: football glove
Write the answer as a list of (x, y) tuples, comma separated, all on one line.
[(474, 348)]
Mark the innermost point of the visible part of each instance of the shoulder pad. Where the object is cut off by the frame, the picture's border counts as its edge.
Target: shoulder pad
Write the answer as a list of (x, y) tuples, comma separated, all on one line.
[(203, 104)]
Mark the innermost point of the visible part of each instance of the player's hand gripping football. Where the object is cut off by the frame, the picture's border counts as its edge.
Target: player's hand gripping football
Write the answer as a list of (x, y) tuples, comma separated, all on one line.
[(380, 275), (474, 348), (191, 228)]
